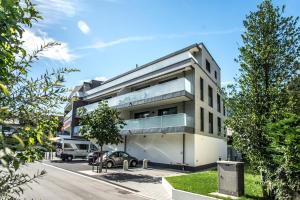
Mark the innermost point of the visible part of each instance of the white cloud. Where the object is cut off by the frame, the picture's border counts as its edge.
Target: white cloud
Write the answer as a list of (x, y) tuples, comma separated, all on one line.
[(84, 28), (225, 83), (33, 41), (100, 78), (55, 11), (100, 44)]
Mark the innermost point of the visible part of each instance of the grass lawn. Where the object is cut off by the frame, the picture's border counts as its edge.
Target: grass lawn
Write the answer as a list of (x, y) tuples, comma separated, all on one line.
[(207, 182)]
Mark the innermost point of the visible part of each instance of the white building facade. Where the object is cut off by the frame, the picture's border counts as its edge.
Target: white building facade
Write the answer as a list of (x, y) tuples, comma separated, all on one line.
[(172, 107)]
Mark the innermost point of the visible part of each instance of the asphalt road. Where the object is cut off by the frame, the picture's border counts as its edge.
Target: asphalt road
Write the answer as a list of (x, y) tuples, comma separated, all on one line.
[(58, 184)]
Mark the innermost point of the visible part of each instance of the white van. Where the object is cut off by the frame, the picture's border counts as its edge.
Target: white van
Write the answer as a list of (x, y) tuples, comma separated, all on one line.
[(67, 148)]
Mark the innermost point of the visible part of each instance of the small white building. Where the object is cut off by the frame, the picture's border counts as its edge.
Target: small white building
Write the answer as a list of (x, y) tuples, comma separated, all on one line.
[(172, 107)]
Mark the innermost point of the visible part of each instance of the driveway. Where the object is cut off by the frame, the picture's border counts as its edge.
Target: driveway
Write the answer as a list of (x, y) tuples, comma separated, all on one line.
[(146, 182), (60, 184)]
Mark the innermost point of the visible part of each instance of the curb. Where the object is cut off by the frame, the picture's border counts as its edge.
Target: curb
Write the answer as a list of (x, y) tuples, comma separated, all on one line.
[(168, 187), (180, 194)]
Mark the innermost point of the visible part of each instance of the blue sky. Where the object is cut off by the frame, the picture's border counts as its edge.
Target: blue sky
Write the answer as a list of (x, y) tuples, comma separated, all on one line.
[(104, 38)]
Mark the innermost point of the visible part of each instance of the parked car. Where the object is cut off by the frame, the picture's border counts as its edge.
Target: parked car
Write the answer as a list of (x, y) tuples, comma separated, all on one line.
[(92, 157), (116, 158), (68, 149)]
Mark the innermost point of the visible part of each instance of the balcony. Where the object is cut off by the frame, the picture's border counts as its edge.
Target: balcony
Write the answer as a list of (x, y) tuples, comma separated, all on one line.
[(173, 91), (176, 123), (68, 115), (160, 124)]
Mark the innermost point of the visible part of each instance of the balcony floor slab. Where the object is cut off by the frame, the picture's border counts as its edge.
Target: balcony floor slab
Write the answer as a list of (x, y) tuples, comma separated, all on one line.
[(168, 130)]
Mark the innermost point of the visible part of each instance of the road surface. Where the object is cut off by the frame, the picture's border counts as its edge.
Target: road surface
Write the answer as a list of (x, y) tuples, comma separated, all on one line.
[(62, 185)]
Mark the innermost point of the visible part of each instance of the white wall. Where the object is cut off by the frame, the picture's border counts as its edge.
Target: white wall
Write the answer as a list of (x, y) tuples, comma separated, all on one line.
[(159, 148), (209, 149), (111, 147)]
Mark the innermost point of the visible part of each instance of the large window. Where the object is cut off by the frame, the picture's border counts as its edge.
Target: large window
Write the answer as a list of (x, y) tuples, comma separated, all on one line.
[(68, 146), (201, 89), (82, 146), (167, 111), (219, 126), (207, 65), (219, 102), (141, 115), (210, 96), (201, 119), (210, 123)]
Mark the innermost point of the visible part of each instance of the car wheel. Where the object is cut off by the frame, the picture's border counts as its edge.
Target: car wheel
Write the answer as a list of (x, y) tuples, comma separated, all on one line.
[(70, 158), (133, 163), (109, 164), (63, 159)]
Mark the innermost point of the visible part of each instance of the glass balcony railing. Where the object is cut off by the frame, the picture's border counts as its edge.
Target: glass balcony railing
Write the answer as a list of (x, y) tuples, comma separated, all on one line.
[(68, 115), (175, 120), (181, 84), (76, 131)]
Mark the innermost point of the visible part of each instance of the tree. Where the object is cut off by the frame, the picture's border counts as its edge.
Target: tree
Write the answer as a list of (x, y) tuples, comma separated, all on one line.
[(33, 102), (269, 61), (285, 143), (102, 125)]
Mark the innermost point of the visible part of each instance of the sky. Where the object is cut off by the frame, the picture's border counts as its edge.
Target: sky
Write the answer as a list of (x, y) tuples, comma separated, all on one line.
[(104, 38)]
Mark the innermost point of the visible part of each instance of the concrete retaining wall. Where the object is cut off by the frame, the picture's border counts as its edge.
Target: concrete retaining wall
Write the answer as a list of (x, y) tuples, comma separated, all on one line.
[(180, 194)]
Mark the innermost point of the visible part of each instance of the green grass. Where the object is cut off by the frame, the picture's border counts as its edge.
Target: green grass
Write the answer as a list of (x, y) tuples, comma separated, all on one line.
[(206, 182)]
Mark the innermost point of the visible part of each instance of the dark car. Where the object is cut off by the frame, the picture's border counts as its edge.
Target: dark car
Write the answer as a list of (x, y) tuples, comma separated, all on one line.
[(116, 158), (92, 157)]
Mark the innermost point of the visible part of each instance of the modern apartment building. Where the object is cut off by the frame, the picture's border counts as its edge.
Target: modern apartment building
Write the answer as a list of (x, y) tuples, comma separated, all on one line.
[(172, 107)]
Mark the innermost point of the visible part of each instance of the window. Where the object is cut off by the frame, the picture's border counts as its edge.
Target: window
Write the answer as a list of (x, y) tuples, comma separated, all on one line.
[(219, 102), (170, 79), (114, 155), (224, 110), (219, 126), (93, 148), (210, 123), (68, 146), (210, 96), (167, 111), (207, 66), (82, 146), (141, 115), (202, 119), (216, 75), (201, 89), (123, 155)]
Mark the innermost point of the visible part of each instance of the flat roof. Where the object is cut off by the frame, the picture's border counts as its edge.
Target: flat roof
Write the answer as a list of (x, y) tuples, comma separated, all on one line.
[(195, 45), (153, 62)]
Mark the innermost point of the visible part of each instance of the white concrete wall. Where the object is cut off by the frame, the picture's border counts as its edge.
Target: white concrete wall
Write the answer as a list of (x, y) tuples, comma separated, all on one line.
[(160, 148), (204, 104), (209, 149), (112, 147)]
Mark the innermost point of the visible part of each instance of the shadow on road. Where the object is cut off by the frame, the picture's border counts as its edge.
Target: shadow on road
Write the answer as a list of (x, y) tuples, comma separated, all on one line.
[(66, 162), (139, 178)]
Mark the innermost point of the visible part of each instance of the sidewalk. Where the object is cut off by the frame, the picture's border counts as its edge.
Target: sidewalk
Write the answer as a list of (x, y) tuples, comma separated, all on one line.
[(146, 182)]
